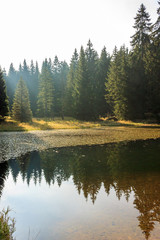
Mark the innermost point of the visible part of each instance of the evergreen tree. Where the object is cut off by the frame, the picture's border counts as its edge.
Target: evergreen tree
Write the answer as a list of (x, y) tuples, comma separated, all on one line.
[(82, 89), (152, 69), (63, 82), (103, 67), (143, 28), (33, 83), (21, 110), (3, 97), (56, 83), (70, 87), (92, 83), (11, 83), (138, 79), (45, 95), (117, 84)]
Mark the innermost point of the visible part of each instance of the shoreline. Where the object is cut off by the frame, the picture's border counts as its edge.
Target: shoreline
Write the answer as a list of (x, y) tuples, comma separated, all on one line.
[(15, 144)]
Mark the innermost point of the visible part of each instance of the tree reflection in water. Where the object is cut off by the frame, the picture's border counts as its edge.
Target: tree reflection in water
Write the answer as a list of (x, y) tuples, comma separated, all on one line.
[(126, 167)]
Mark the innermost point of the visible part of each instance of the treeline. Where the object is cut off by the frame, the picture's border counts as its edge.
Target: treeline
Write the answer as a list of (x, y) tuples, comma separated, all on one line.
[(125, 84)]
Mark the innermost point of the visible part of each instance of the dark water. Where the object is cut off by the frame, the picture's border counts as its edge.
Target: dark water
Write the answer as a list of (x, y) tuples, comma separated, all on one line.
[(90, 192)]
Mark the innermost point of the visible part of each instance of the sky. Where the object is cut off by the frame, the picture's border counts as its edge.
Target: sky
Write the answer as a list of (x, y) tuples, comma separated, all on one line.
[(39, 29)]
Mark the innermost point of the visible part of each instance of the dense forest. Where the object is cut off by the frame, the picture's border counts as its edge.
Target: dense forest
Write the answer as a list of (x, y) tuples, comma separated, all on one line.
[(125, 84)]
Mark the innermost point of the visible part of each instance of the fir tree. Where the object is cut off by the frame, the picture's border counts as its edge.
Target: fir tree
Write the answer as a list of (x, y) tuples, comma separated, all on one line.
[(83, 110), (33, 83), (11, 83), (45, 96), (117, 84), (3, 97), (92, 83), (70, 87), (138, 79), (103, 67), (143, 28), (152, 69), (21, 110)]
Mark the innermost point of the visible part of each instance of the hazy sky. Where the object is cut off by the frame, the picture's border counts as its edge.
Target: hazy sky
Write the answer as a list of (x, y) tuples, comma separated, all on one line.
[(36, 29)]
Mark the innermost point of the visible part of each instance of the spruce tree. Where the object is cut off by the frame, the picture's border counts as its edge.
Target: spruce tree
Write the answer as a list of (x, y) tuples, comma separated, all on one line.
[(117, 84), (70, 87), (45, 100), (138, 79), (92, 83), (103, 68), (63, 82), (11, 83), (143, 29), (33, 83), (56, 68), (3, 97), (21, 110), (152, 69), (82, 88)]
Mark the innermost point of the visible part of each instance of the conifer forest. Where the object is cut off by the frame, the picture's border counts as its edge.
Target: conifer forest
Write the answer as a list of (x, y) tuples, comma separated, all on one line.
[(124, 84)]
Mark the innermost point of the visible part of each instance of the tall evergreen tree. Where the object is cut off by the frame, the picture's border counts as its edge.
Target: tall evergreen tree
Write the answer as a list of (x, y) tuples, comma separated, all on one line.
[(63, 82), (11, 83), (21, 110), (92, 83), (83, 110), (46, 92), (33, 84), (117, 84), (138, 79), (3, 97), (143, 29), (56, 83), (152, 69), (103, 68), (70, 87)]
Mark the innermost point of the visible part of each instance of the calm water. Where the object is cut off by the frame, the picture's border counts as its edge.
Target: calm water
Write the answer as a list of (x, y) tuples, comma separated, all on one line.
[(108, 192)]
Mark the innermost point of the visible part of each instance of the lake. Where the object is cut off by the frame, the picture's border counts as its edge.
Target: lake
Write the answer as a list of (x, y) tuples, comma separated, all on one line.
[(100, 192)]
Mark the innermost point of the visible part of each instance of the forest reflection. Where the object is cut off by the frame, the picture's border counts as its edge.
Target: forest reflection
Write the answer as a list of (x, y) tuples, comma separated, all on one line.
[(132, 167)]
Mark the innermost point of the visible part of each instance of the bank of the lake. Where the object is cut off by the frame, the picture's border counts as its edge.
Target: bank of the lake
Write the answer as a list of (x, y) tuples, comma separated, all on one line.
[(14, 144)]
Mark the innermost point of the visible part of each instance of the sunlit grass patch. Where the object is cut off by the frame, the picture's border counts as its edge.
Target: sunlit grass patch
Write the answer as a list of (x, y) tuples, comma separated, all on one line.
[(45, 124), (67, 123)]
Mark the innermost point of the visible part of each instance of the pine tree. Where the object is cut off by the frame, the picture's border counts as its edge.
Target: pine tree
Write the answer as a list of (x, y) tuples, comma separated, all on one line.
[(103, 67), (143, 28), (45, 100), (83, 110), (56, 68), (33, 83), (63, 82), (117, 84), (3, 97), (92, 83), (70, 87), (152, 69), (138, 79), (11, 83), (21, 110)]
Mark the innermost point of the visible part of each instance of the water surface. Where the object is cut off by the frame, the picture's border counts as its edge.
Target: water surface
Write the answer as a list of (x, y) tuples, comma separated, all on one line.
[(96, 192)]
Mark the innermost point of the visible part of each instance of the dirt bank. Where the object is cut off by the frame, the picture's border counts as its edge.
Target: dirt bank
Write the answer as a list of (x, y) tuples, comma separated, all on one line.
[(14, 144)]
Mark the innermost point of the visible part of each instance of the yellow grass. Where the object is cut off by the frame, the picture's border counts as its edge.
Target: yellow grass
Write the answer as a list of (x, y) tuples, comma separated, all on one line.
[(68, 123), (45, 124)]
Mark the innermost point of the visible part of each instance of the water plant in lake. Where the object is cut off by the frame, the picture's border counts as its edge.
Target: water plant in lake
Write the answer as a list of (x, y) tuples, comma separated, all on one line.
[(7, 225)]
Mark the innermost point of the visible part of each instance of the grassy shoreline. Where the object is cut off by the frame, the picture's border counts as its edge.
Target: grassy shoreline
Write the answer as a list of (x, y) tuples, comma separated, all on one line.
[(11, 125)]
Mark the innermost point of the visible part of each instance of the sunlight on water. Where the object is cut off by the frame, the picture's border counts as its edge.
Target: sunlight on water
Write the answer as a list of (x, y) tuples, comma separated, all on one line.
[(92, 192)]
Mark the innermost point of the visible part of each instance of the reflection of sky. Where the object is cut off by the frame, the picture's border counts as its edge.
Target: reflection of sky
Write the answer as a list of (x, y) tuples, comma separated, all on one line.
[(61, 213)]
